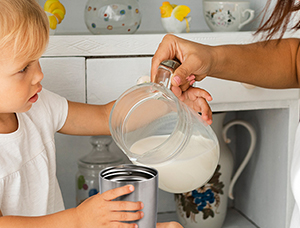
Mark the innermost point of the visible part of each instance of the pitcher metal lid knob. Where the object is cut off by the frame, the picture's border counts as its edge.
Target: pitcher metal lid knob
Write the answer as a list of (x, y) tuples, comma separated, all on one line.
[(171, 63), (165, 72)]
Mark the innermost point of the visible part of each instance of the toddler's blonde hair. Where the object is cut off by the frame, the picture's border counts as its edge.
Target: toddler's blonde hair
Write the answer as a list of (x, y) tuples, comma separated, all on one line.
[(24, 28)]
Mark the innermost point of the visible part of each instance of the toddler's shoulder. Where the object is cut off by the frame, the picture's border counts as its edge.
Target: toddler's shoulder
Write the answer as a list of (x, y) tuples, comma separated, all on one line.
[(50, 108)]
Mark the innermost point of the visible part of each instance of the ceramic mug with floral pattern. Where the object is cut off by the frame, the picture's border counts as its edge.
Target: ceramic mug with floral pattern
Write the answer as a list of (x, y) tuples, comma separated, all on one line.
[(227, 16)]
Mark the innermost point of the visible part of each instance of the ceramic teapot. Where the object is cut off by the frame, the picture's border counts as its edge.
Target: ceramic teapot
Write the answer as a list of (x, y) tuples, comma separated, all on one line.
[(207, 206)]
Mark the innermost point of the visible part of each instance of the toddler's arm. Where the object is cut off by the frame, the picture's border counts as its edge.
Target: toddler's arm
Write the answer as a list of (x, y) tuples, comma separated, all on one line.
[(97, 211), (87, 119)]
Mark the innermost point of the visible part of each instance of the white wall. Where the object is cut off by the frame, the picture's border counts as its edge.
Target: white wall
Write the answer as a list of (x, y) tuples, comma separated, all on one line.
[(74, 20)]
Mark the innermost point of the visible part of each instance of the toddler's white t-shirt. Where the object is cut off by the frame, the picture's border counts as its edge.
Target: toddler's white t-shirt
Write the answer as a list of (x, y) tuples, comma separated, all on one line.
[(28, 183)]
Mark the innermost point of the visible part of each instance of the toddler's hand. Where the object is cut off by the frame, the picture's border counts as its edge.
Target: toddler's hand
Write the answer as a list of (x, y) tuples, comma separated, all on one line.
[(100, 211), (196, 98), (168, 225)]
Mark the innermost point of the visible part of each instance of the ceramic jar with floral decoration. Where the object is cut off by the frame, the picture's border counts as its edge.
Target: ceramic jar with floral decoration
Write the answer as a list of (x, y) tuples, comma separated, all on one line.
[(89, 166), (112, 16), (206, 206)]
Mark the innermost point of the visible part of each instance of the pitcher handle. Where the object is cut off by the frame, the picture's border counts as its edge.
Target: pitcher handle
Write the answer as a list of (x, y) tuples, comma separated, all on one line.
[(251, 16), (249, 153)]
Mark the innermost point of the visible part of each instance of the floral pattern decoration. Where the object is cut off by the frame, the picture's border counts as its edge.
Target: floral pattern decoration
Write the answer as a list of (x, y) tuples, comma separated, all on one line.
[(220, 17), (205, 199)]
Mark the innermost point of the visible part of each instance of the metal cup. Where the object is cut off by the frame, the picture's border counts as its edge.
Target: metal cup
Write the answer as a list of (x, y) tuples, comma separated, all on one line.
[(145, 182)]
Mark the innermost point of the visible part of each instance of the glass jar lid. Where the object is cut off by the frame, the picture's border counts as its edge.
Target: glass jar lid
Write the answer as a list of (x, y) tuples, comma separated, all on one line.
[(100, 157)]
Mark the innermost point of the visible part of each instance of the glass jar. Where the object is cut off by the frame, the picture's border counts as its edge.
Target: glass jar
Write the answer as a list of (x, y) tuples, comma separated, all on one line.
[(112, 16), (156, 129), (89, 166)]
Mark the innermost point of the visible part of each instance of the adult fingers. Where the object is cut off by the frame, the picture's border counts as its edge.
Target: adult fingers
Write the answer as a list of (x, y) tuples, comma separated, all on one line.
[(166, 50), (186, 74), (117, 192), (181, 75)]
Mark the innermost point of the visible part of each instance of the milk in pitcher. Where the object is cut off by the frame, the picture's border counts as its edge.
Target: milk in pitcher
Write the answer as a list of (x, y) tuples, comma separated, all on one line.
[(189, 170)]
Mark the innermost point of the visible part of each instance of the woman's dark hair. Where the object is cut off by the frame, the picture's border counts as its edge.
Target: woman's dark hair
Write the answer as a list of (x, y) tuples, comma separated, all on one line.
[(279, 19)]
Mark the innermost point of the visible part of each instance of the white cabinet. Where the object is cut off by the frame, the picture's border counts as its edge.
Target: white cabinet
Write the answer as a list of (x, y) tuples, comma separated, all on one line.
[(108, 78), (65, 76), (111, 64)]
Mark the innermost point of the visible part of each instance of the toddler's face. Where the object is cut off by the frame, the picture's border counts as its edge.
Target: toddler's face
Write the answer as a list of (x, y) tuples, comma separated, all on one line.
[(19, 84)]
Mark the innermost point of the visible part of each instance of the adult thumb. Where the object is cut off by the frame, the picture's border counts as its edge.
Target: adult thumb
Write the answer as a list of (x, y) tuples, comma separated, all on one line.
[(180, 77)]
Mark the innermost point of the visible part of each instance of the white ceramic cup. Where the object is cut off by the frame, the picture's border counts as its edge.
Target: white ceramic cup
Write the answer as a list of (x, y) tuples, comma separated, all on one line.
[(227, 16)]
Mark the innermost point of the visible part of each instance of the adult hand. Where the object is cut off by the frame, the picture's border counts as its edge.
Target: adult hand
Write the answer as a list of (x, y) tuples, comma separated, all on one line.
[(196, 59), (100, 211)]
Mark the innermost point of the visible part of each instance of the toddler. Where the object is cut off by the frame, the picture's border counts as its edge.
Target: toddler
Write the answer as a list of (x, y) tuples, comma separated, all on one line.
[(29, 117)]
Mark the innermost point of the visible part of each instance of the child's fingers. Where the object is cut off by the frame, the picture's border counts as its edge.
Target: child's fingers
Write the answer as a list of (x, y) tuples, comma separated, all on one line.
[(117, 192), (203, 107), (126, 216), (194, 93), (125, 205), (168, 225), (123, 225)]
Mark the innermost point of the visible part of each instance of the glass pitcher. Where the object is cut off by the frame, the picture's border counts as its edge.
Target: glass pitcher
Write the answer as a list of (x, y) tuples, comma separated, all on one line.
[(154, 128)]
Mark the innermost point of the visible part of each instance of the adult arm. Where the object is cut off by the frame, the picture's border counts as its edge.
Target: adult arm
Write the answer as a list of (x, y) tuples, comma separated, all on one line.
[(269, 64)]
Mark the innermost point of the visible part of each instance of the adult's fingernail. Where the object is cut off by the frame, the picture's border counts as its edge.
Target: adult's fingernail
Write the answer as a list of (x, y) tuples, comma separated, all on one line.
[(192, 82), (191, 77), (177, 80)]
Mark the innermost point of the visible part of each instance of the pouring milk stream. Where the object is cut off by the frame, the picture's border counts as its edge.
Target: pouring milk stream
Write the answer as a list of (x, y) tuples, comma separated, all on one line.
[(153, 128)]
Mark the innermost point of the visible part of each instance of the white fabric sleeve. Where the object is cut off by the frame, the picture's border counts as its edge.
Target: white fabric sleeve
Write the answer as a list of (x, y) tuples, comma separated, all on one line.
[(57, 107)]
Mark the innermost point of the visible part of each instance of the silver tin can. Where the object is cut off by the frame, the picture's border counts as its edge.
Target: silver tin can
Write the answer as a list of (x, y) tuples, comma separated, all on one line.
[(145, 182)]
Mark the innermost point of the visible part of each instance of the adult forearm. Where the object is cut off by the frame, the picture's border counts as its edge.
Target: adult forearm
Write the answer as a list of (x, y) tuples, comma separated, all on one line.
[(270, 65)]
